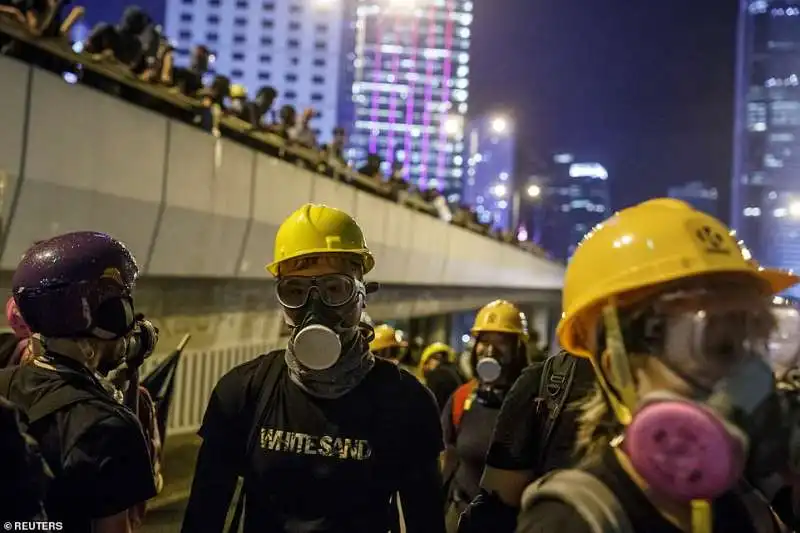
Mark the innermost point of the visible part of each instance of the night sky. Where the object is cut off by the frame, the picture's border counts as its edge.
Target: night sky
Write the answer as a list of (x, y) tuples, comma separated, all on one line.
[(644, 87)]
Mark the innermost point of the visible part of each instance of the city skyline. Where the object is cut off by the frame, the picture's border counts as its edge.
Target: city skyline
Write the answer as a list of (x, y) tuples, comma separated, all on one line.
[(765, 184)]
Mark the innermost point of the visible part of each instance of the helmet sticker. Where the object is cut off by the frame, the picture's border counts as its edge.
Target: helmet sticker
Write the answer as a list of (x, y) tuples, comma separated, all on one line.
[(713, 241)]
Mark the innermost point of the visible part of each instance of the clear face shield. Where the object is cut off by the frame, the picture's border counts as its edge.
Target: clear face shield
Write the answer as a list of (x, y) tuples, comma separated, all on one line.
[(712, 410)]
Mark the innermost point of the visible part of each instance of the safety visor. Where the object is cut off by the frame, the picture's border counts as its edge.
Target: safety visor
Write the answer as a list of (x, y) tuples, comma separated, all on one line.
[(334, 290), (704, 334)]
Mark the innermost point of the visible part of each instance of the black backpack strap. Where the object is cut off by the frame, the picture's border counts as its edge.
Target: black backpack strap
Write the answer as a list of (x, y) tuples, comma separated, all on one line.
[(556, 383), (269, 373)]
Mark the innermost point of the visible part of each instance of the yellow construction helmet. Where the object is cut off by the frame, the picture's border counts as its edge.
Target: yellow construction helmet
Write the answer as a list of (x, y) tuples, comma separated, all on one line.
[(437, 348), (500, 316), (640, 248), (385, 337), (318, 229), (238, 91)]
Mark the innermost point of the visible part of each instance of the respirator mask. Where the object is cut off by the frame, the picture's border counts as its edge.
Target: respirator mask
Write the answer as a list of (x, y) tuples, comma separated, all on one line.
[(730, 420), (321, 311), (499, 361)]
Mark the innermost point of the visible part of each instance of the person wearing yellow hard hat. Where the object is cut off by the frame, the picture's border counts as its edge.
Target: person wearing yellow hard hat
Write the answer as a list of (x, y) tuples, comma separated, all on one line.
[(325, 433), (387, 344), (498, 358), (438, 369), (679, 328)]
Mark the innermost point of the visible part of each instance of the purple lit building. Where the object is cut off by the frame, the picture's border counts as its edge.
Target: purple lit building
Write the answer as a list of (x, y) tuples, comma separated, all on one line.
[(409, 94)]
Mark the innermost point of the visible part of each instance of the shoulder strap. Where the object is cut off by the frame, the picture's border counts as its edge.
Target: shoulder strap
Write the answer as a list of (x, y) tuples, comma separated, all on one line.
[(460, 398), (589, 496), (554, 388), (268, 375), (763, 517)]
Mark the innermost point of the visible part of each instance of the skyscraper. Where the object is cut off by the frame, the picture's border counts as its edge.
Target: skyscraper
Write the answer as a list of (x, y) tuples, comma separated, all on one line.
[(410, 86), (765, 190), (574, 199), (489, 184), (698, 194), (294, 45)]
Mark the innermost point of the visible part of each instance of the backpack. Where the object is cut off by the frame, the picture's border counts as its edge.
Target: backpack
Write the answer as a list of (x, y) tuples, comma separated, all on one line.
[(602, 511), (555, 384), (589, 496)]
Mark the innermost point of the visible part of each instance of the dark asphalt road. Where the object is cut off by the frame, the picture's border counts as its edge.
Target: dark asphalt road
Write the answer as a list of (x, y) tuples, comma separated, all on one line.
[(165, 520)]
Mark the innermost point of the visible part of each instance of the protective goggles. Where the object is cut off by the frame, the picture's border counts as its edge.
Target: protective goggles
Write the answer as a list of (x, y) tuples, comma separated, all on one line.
[(333, 290), (702, 335)]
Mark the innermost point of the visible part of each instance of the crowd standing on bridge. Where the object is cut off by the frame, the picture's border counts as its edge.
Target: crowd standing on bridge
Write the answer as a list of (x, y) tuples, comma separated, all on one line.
[(672, 407)]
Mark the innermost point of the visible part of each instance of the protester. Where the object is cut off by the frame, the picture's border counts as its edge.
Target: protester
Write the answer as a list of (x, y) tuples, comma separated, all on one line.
[(498, 357), (189, 80), (323, 432), (438, 370), (122, 42), (677, 325), (82, 307)]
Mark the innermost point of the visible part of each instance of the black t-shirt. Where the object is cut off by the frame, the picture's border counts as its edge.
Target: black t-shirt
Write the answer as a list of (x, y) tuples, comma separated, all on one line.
[(323, 465), (95, 448), (471, 441), (517, 434), (549, 516)]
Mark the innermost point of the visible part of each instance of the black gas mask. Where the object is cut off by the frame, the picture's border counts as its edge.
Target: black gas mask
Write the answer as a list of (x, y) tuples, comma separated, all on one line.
[(324, 313)]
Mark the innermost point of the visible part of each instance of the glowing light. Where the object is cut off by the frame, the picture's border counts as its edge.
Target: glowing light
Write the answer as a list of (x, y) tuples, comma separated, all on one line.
[(588, 170), (453, 125), (534, 191), (794, 209), (522, 234), (465, 338), (324, 4), (499, 190), (499, 125)]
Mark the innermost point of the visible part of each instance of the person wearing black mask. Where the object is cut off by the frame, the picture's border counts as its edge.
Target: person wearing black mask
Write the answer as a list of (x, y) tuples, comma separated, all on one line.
[(438, 370), (75, 292), (323, 432), (498, 358)]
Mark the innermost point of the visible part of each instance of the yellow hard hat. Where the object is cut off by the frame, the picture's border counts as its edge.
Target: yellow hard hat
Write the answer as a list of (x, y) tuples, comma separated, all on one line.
[(385, 337), (318, 229), (238, 91), (641, 247), (437, 348), (500, 316)]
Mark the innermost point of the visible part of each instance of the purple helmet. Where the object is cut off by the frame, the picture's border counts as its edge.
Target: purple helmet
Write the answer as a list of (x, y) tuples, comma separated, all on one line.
[(77, 285)]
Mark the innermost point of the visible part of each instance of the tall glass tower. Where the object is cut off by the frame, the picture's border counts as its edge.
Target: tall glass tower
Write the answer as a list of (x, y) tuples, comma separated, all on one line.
[(410, 88), (765, 190)]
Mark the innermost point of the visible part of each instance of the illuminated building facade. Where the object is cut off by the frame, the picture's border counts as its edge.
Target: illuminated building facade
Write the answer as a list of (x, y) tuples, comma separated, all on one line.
[(489, 181), (409, 92), (297, 46), (765, 192), (699, 195), (575, 198)]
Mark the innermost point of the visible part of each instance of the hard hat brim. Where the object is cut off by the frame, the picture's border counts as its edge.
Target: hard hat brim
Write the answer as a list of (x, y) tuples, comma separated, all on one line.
[(367, 260)]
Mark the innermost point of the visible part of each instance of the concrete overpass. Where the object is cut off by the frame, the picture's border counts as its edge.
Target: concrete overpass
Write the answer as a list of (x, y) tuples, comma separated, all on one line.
[(200, 214)]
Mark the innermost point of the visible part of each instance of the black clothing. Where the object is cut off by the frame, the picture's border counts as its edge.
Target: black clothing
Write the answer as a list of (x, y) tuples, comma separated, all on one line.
[(547, 516), (318, 465), (25, 474), (443, 382), (94, 446), (471, 441), (516, 439)]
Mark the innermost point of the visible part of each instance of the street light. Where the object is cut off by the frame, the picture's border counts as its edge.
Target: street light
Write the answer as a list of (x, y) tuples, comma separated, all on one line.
[(499, 125), (534, 191)]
